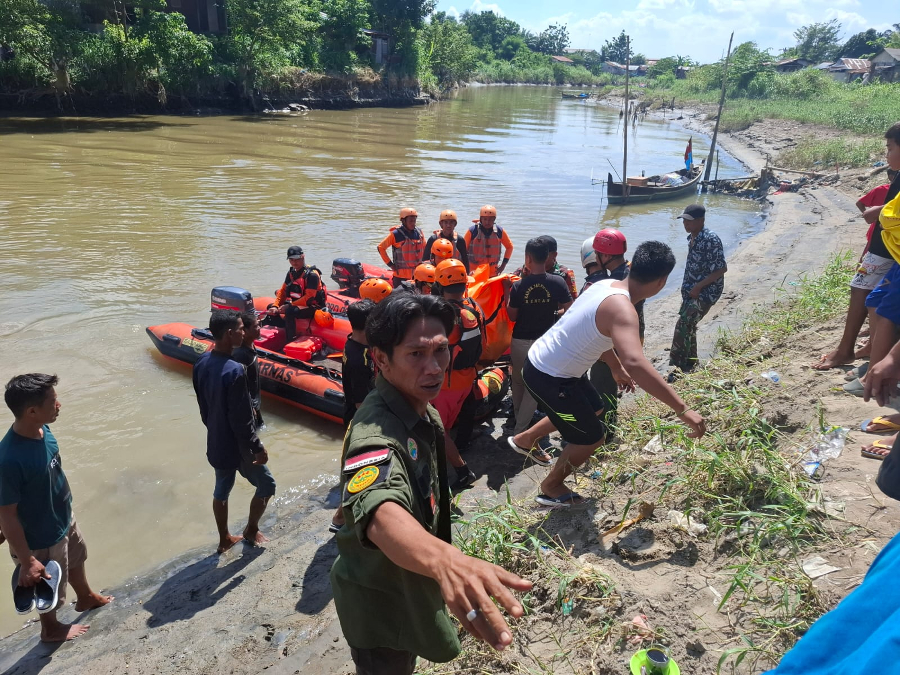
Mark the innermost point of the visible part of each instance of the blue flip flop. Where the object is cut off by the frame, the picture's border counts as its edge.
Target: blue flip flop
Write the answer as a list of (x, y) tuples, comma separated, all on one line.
[(23, 596), (46, 592), (563, 501)]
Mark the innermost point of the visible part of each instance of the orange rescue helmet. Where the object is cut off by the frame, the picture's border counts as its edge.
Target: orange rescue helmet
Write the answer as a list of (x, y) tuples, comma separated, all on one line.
[(447, 214), (451, 272), (424, 272), (408, 212), (324, 318), (375, 290), (487, 210), (442, 249), (610, 242)]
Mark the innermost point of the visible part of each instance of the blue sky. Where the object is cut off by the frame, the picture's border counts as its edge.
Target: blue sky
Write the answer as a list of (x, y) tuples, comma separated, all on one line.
[(695, 28)]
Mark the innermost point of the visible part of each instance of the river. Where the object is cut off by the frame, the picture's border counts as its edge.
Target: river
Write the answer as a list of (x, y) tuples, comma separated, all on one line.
[(112, 225)]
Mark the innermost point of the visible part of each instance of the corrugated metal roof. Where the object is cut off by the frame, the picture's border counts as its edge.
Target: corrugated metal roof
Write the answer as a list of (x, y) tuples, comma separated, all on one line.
[(853, 64)]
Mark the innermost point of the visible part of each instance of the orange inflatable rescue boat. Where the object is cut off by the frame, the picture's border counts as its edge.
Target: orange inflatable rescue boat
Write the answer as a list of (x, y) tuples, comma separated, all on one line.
[(305, 373)]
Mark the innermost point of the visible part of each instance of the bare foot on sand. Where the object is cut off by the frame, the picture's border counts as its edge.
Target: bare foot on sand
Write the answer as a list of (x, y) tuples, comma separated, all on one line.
[(226, 544), (93, 601), (62, 632), (257, 539), (832, 360), (864, 350)]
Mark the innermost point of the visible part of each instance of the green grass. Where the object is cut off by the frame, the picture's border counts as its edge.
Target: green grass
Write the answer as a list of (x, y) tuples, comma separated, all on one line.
[(865, 110), (812, 153), (509, 72), (742, 480)]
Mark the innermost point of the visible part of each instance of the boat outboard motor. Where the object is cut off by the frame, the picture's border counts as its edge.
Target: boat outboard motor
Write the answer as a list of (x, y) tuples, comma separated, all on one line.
[(348, 274), (231, 297)]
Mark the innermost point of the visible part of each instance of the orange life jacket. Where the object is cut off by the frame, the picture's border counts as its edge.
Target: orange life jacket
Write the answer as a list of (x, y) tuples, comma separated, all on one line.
[(409, 253), (295, 289), (484, 249), (467, 337)]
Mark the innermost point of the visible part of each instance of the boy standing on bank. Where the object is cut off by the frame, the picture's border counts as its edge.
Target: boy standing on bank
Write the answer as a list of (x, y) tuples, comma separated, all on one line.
[(247, 356), (232, 445), (36, 503)]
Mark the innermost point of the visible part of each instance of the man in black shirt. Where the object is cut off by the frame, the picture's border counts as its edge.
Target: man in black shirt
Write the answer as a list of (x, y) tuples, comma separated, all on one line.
[(247, 356), (231, 442), (535, 301), (357, 374)]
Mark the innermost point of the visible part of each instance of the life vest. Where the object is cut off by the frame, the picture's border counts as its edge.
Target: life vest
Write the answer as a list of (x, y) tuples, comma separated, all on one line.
[(484, 249), (466, 338), (409, 253), (296, 288), (437, 233)]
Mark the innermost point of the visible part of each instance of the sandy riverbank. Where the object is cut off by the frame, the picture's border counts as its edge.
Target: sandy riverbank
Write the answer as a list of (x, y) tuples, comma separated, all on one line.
[(270, 610)]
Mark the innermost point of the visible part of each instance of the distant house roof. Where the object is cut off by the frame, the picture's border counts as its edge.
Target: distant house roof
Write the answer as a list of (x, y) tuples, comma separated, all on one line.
[(652, 62), (852, 65), (575, 50), (375, 33), (561, 59), (799, 61), (892, 51), (825, 65)]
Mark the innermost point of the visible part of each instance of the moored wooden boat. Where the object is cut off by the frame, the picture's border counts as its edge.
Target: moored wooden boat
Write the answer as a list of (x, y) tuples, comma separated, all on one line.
[(655, 187)]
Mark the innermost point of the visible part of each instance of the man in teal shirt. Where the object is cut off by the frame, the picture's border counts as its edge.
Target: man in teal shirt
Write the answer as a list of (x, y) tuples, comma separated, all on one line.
[(36, 503)]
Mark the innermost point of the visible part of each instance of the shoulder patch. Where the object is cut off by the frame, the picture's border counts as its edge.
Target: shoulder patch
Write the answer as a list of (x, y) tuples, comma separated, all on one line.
[(370, 458), (362, 479), (413, 448)]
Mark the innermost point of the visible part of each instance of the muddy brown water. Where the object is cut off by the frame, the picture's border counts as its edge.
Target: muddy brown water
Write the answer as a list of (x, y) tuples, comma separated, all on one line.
[(112, 225)]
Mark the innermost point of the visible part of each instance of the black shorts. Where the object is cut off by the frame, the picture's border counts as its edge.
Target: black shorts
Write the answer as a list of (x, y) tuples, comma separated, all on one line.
[(571, 403)]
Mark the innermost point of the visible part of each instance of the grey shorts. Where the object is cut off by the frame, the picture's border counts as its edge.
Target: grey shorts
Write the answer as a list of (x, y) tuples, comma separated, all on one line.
[(871, 271), (258, 475)]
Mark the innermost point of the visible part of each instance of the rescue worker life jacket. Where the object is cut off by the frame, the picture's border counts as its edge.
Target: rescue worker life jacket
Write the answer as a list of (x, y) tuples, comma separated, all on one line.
[(484, 248), (296, 288), (466, 338), (409, 253)]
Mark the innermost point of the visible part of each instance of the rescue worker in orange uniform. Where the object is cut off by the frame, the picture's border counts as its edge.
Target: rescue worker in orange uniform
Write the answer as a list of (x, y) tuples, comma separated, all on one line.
[(466, 342), (424, 278), (483, 241), (407, 244), (301, 294), (458, 250)]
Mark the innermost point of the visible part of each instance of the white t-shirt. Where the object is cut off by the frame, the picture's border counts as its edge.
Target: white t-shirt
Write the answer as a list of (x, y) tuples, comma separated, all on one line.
[(574, 344)]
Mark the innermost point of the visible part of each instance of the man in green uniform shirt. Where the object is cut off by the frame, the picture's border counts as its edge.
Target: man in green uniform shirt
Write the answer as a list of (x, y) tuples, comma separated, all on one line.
[(396, 567)]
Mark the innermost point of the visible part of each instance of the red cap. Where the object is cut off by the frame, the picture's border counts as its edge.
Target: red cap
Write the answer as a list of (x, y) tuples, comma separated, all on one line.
[(610, 242)]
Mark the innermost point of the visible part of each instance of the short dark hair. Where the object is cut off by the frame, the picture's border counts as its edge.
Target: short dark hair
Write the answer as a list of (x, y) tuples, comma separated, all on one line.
[(893, 133), (550, 243), (222, 320), (390, 320), (249, 317), (537, 249), (652, 260), (25, 391), (358, 312)]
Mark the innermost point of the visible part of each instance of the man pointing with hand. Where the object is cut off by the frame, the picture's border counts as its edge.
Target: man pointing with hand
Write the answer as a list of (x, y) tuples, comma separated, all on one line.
[(397, 573)]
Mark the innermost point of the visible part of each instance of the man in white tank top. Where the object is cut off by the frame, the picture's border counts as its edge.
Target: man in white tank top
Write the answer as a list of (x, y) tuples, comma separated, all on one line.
[(601, 323)]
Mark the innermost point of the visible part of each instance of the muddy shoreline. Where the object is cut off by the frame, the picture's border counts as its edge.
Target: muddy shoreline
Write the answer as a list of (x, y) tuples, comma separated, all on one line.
[(254, 610)]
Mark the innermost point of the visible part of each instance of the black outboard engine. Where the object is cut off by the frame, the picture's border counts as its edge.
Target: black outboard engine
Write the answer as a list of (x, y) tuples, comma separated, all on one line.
[(347, 273), (231, 297)]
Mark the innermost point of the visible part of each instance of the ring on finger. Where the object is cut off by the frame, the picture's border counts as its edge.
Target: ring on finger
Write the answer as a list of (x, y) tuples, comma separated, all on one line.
[(472, 615)]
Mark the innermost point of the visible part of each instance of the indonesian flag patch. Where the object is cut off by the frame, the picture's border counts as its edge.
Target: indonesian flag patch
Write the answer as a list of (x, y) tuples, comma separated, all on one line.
[(370, 458)]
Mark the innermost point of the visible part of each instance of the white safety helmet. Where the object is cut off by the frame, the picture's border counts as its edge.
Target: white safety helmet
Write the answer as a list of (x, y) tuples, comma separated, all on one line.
[(588, 254)]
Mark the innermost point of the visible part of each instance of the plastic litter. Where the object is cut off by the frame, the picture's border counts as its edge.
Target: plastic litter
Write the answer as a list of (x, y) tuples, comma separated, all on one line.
[(567, 606), (685, 522), (772, 376), (637, 630), (829, 445), (816, 567)]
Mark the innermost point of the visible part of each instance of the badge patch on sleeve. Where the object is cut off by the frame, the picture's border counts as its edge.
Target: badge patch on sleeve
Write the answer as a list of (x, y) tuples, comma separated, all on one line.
[(370, 458), (363, 479)]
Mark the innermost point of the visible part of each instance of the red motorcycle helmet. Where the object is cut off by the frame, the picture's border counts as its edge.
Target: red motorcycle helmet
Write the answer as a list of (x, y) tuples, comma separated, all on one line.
[(610, 242)]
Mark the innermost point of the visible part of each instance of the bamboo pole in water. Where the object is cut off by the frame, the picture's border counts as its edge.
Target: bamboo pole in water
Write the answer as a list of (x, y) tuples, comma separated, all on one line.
[(625, 132), (712, 148)]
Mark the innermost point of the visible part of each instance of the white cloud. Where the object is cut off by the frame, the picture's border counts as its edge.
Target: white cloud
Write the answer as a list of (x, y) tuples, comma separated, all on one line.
[(479, 6)]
